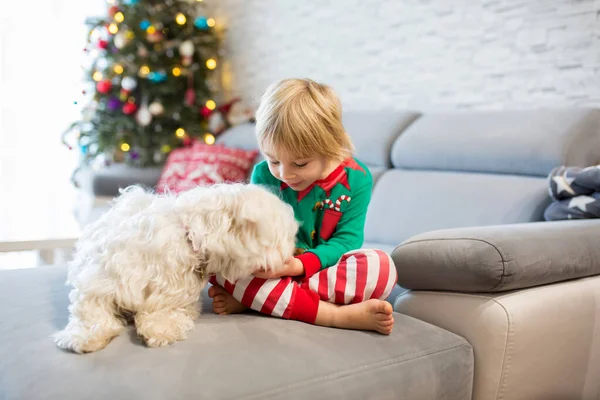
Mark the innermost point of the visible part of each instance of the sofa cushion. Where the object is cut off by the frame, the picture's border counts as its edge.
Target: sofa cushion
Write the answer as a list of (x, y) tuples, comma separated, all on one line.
[(405, 203), (226, 357), (528, 142), (499, 258), (374, 132), (241, 136)]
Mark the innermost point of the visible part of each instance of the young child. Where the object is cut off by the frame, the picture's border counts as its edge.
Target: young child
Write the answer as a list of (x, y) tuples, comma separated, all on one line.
[(309, 162)]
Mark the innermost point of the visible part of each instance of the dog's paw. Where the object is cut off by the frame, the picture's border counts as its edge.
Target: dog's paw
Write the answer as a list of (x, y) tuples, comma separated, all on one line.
[(63, 340), (77, 341), (163, 329), (159, 342)]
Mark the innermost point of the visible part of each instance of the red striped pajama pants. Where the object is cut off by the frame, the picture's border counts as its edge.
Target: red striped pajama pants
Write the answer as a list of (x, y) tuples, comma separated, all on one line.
[(358, 276)]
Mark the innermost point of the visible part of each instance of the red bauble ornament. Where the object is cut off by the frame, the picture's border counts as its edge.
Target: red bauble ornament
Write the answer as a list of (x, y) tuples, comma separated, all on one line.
[(103, 44), (104, 86), (205, 111), (187, 141), (129, 108), (113, 10)]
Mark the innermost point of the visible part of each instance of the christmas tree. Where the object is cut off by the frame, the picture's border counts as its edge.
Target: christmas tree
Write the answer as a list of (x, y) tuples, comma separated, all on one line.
[(151, 82)]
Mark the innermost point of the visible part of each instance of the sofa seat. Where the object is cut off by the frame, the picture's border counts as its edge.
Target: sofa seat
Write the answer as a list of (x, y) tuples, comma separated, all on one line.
[(243, 356)]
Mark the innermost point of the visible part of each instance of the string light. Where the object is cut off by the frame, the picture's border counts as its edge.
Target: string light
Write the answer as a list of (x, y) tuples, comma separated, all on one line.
[(144, 70), (211, 63), (211, 105), (180, 132), (125, 147), (113, 28), (209, 138), (97, 76), (165, 148), (176, 71), (119, 17), (211, 22), (180, 19), (151, 30), (118, 68), (129, 35)]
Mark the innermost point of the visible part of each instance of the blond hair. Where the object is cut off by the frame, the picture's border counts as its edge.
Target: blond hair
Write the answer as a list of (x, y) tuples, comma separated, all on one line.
[(302, 118)]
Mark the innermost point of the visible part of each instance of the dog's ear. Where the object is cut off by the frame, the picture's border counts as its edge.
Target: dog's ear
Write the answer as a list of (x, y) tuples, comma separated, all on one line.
[(195, 236)]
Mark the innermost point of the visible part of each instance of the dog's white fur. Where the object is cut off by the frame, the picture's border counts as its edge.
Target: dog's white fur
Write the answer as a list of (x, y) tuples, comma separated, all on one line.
[(150, 256)]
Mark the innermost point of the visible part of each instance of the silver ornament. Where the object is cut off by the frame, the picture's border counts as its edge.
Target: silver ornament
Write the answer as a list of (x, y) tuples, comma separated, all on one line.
[(128, 83), (143, 116), (186, 48)]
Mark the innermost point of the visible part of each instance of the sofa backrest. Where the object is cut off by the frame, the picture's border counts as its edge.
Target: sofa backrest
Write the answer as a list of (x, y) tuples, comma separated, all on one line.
[(437, 171), (477, 168)]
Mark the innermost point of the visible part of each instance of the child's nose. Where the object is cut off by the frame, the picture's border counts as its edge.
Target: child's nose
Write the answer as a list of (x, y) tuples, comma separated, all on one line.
[(285, 173)]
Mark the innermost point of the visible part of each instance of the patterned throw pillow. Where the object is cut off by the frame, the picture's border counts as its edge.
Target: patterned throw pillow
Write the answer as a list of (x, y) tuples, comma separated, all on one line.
[(202, 164)]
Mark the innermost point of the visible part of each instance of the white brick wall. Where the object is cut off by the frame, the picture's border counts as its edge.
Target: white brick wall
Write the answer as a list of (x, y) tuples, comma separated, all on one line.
[(419, 54)]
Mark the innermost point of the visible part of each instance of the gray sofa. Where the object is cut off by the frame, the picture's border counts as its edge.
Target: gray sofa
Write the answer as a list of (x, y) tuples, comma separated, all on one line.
[(499, 306)]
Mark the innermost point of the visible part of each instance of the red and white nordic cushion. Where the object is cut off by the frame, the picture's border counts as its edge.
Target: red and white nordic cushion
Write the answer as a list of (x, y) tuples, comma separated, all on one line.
[(202, 164)]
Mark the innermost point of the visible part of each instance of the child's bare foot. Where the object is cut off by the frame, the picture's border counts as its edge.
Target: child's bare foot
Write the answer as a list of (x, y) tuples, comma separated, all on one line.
[(223, 302), (371, 315)]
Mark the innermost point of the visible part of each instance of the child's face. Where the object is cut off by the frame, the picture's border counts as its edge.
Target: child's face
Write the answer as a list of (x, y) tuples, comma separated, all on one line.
[(297, 173)]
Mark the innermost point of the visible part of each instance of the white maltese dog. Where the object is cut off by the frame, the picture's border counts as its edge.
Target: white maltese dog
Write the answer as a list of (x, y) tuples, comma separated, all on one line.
[(149, 257)]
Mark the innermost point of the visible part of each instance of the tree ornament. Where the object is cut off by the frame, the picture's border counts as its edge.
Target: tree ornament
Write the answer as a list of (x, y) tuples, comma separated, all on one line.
[(120, 40), (201, 23), (143, 116), (101, 63), (205, 111), (156, 108), (157, 77), (128, 83), (129, 108), (145, 24), (104, 86), (155, 37), (113, 10), (103, 44), (190, 93), (113, 103), (186, 48)]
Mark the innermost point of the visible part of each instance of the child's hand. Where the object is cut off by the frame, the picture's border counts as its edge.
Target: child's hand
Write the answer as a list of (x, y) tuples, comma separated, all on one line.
[(292, 267)]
